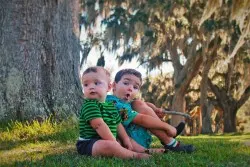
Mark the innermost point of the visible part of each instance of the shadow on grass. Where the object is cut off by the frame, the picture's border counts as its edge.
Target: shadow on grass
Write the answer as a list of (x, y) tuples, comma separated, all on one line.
[(69, 135), (66, 158)]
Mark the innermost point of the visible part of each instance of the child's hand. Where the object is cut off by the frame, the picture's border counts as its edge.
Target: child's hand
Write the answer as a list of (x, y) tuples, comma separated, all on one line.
[(127, 144), (159, 112)]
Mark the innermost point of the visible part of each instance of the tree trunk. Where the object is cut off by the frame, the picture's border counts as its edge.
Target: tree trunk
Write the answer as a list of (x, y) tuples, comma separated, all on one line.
[(229, 118), (205, 111), (39, 55), (183, 75), (178, 104), (206, 120)]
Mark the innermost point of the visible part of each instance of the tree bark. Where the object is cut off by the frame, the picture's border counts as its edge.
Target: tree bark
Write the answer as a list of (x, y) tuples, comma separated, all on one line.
[(230, 118), (39, 53), (209, 55), (179, 105)]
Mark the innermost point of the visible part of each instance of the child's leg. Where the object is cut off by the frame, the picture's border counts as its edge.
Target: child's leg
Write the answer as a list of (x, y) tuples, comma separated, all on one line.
[(114, 149), (153, 123), (138, 148), (169, 142), (143, 108)]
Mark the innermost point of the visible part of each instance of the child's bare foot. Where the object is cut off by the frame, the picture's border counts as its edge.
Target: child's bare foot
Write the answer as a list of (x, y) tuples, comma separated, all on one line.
[(142, 156), (155, 150)]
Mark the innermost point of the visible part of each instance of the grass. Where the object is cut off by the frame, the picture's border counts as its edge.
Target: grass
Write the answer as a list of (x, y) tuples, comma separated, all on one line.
[(53, 144)]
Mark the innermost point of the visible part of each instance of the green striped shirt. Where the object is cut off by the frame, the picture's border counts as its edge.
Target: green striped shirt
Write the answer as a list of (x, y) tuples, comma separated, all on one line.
[(92, 109)]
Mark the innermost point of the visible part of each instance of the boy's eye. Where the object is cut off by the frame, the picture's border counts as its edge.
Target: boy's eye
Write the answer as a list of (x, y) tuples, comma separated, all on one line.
[(85, 85), (125, 83), (136, 87), (97, 83)]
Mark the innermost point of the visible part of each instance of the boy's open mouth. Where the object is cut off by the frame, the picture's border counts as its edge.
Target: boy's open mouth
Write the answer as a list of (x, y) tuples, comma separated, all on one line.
[(127, 97)]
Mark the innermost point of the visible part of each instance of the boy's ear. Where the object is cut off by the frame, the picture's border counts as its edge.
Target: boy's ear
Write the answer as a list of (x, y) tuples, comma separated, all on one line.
[(113, 85), (109, 87)]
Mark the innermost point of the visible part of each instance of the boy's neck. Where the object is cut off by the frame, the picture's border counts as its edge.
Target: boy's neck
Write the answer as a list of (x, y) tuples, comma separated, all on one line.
[(101, 101)]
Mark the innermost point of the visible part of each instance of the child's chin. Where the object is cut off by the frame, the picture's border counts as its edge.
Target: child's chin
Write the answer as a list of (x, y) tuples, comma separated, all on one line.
[(94, 98), (127, 100)]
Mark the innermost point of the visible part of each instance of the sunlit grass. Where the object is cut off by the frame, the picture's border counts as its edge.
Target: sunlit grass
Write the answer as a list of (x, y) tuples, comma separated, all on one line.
[(19, 132), (22, 131), (34, 151), (53, 144)]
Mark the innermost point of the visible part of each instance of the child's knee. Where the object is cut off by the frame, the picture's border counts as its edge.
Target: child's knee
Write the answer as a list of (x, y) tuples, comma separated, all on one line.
[(137, 104), (108, 145)]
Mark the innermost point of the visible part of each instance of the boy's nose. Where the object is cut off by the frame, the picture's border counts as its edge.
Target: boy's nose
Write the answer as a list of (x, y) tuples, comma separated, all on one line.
[(91, 86), (130, 88)]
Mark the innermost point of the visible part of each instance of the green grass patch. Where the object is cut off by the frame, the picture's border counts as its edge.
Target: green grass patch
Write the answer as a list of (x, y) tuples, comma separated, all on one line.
[(53, 144)]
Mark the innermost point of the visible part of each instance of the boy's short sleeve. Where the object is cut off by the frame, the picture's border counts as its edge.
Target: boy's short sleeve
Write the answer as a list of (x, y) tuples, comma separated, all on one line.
[(131, 115), (91, 110), (124, 109)]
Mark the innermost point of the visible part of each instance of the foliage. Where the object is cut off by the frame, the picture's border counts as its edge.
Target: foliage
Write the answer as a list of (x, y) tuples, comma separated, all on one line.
[(162, 95), (148, 29), (158, 90), (58, 149), (139, 26), (239, 11)]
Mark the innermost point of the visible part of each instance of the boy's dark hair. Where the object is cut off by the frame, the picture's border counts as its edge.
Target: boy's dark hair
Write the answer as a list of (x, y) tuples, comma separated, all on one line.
[(128, 71)]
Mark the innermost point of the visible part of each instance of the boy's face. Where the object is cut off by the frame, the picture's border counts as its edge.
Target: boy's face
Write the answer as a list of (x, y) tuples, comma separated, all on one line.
[(127, 88), (96, 85)]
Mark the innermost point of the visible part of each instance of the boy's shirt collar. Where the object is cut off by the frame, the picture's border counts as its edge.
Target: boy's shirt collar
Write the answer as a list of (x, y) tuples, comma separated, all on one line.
[(113, 97), (86, 99)]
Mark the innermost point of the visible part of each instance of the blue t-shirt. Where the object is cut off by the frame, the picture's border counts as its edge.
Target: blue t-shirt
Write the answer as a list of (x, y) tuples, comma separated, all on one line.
[(136, 132)]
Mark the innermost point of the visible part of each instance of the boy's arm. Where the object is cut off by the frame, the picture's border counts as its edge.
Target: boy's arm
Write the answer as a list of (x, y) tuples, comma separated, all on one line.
[(147, 108), (151, 105), (157, 110), (123, 136), (102, 129)]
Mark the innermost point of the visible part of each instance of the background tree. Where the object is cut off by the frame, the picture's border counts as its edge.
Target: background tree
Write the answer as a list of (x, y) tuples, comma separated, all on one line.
[(233, 38), (159, 90), (39, 57), (187, 33), (231, 90)]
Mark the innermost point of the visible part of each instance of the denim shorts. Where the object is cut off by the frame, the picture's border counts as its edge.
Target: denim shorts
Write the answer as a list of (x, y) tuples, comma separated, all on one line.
[(84, 147)]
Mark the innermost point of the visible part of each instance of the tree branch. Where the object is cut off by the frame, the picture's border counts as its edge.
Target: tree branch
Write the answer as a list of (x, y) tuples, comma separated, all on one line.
[(244, 97), (177, 113)]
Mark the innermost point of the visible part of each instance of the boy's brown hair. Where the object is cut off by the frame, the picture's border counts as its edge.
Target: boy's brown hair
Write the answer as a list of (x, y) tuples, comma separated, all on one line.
[(128, 71)]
